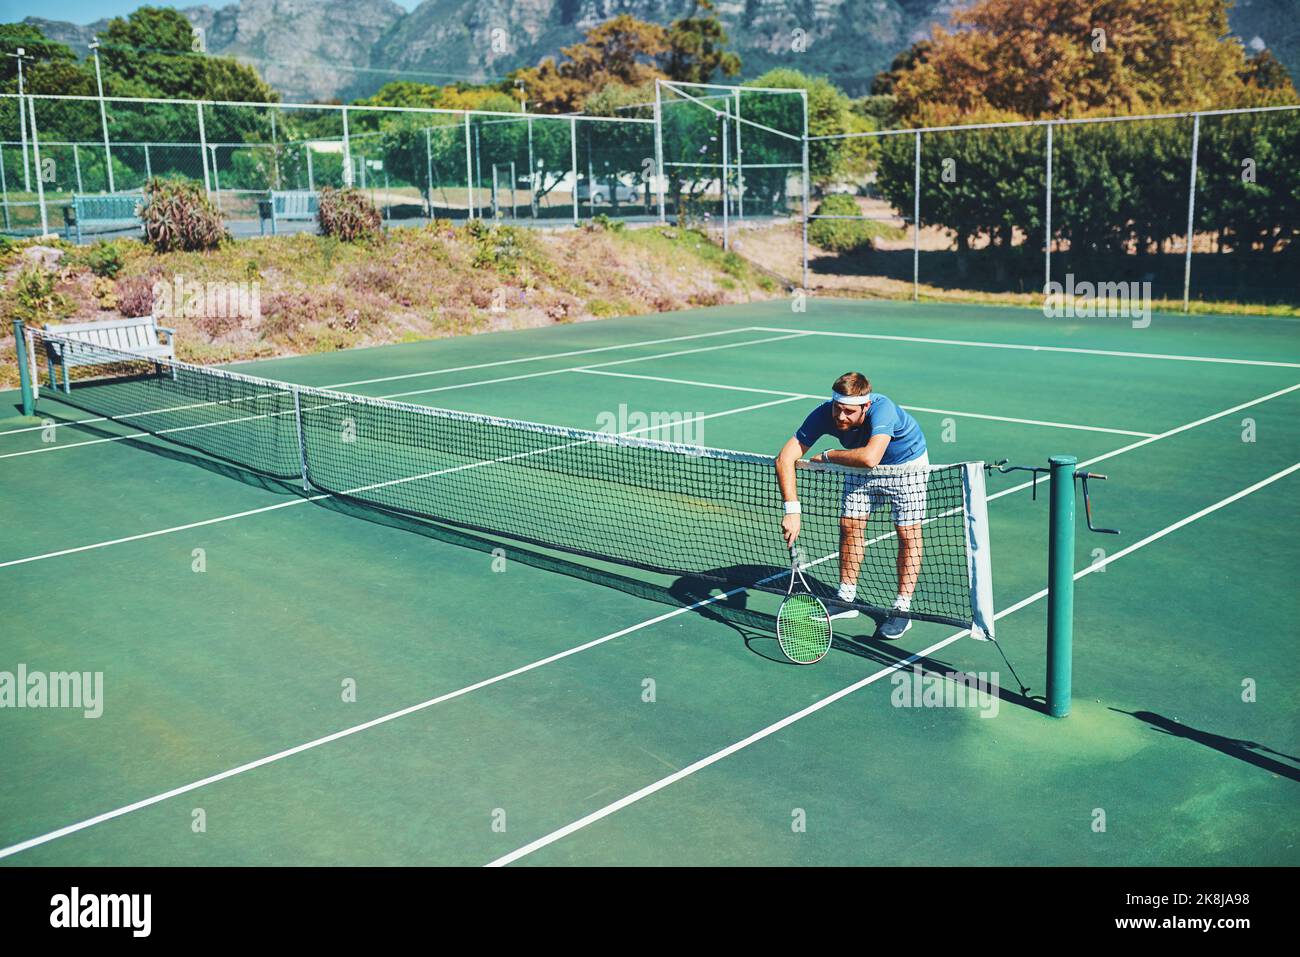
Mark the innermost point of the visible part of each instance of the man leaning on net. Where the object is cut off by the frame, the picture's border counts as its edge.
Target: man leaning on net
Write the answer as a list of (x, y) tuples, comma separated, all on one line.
[(872, 430)]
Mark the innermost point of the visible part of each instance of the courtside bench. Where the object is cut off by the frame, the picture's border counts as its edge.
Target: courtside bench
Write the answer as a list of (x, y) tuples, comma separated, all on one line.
[(107, 212), (141, 337), (285, 205)]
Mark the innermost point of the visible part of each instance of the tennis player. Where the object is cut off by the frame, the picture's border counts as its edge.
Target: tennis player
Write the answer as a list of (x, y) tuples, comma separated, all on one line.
[(873, 430)]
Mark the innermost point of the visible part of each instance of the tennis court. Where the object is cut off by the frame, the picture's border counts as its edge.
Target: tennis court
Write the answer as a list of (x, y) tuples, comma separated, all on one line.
[(306, 678)]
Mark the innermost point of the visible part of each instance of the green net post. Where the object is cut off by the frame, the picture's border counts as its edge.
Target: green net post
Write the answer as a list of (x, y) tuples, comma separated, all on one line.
[(1060, 585), (24, 368)]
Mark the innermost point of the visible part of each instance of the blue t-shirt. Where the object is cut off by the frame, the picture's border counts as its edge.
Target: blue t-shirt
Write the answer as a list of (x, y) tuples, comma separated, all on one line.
[(884, 417)]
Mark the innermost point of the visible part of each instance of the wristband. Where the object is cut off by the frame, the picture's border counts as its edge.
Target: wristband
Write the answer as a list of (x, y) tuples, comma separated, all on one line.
[(793, 508)]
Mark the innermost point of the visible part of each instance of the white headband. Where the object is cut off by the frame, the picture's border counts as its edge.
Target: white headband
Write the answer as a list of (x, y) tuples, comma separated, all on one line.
[(851, 399)]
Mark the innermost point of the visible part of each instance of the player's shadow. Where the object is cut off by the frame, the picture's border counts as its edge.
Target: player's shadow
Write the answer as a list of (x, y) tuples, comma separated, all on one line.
[(1252, 752)]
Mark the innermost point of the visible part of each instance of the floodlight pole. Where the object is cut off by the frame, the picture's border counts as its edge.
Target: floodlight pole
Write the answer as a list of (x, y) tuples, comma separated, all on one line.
[(36, 162), (20, 56), (103, 116)]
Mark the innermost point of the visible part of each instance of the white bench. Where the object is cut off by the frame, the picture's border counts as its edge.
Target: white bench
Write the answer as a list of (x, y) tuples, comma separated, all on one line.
[(283, 205), (141, 337)]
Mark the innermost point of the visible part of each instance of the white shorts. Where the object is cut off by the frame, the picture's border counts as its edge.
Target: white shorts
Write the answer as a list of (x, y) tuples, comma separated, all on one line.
[(903, 491)]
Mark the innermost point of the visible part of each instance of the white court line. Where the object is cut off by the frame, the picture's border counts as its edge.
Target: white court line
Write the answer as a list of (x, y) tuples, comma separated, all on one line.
[(316, 498), (73, 828), (595, 370), (59, 447), (538, 358), (826, 702), (1008, 345)]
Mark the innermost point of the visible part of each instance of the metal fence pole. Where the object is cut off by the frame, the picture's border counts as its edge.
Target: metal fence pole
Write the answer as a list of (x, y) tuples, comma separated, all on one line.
[(203, 150), (469, 170), (103, 119), (1191, 214), (573, 164), (76, 164), (428, 172), (347, 151), (726, 224), (740, 165), (1047, 238), (916, 223), (805, 212), (148, 166), (36, 165), (659, 149), (4, 187)]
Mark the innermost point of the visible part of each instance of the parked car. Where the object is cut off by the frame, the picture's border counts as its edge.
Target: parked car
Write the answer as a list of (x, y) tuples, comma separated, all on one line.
[(600, 192)]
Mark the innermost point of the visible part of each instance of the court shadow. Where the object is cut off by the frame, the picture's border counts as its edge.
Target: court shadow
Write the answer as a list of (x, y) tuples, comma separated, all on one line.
[(1249, 751)]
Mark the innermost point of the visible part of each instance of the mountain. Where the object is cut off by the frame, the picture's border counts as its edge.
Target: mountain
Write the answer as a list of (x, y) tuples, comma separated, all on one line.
[(313, 50)]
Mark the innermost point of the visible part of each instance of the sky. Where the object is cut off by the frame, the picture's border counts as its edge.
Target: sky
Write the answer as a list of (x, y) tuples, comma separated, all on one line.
[(88, 11)]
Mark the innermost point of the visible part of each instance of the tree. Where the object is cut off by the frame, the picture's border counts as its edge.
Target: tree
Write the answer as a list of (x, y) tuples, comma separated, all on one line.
[(695, 47), (154, 52), (1061, 58), (621, 50)]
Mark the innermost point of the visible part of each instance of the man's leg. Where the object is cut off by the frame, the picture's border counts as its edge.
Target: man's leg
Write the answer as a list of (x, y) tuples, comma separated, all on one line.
[(853, 546), (910, 547)]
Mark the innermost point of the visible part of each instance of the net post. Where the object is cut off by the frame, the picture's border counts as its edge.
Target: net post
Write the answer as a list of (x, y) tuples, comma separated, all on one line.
[(24, 368), (302, 439), (1060, 585)]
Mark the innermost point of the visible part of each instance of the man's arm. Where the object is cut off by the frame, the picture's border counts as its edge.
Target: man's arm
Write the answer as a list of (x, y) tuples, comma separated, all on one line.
[(868, 456), (785, 460)]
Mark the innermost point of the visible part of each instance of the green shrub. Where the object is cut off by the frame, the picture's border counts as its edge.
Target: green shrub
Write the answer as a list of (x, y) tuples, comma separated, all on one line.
[(839, 235), (34, 298), (103, 259), (178, 215), (348, 214)]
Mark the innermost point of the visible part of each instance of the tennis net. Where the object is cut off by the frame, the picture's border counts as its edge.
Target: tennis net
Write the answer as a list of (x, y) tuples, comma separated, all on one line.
[(668, 508)]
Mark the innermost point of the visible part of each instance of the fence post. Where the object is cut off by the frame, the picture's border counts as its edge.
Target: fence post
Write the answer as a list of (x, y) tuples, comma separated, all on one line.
[(1191, 213), (740, 166), (916, 222), (469, 171), (36, 165), (573, 164), (76, 163), (203, 149), (726, 224), (659, 149), (806, 212), (347, 151), (428, 172), (4, 187), (148, 165), (1047, 243)]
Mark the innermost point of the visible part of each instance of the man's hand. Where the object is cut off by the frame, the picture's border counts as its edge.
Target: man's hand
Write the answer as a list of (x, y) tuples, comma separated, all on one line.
[(790, 529)]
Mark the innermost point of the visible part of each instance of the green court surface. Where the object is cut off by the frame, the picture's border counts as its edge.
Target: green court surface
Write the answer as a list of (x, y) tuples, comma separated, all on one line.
[(294, 681)]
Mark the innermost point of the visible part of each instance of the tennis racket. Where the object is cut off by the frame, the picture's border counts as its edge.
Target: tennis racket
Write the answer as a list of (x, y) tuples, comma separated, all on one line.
[(803, 626)]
